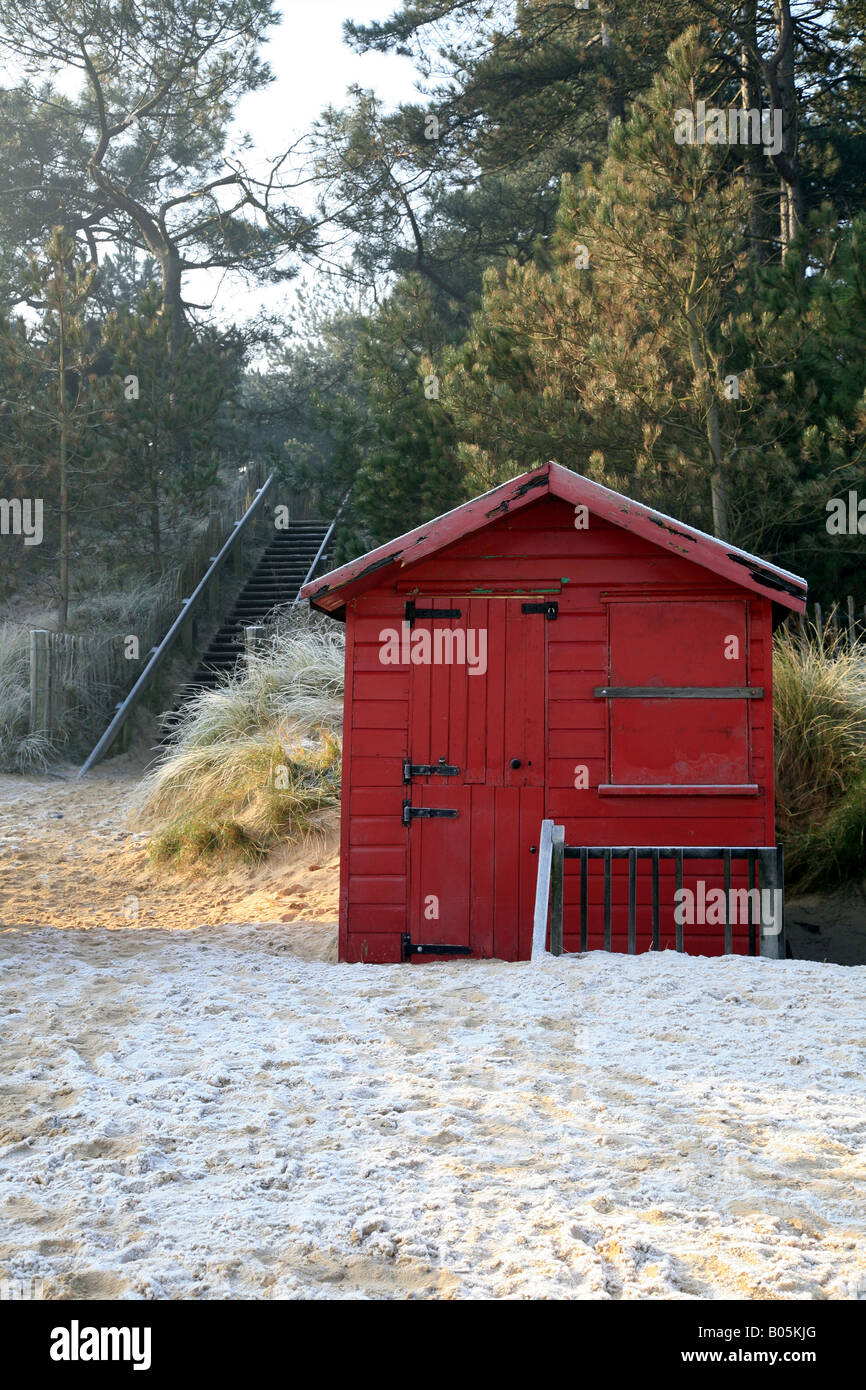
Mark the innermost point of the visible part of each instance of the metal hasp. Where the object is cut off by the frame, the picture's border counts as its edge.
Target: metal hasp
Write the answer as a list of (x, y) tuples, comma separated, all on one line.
[(411, 813), (415, 948), (411, 613), (550, 610), (440, 769)]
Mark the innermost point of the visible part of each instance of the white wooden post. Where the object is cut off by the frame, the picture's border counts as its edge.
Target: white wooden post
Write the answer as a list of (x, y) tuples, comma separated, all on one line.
[(542, 892)]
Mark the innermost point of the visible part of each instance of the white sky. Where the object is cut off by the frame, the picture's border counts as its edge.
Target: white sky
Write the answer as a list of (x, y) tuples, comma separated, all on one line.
[(312, 68)]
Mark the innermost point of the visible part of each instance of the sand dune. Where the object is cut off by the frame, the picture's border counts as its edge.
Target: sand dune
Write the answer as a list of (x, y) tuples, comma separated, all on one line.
[(70, 856)]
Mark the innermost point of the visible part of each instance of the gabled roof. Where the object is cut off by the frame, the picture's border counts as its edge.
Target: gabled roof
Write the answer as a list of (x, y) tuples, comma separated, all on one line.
[(331, 591)]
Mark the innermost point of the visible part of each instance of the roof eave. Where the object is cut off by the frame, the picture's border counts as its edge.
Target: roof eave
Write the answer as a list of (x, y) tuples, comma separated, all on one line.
[(332, 591)]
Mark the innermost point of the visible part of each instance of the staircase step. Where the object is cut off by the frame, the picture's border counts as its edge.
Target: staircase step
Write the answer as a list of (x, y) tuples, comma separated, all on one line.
[(282, 568)]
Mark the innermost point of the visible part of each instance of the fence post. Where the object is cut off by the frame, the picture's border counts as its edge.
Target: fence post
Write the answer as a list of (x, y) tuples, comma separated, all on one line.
[(40, 678), (557, 876), (253, 638), (58, 655), (771, 933), (542, 891), (819, 623)]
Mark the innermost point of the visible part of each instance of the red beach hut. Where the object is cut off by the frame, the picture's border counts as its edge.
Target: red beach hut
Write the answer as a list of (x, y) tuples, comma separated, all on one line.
[(550, 650)]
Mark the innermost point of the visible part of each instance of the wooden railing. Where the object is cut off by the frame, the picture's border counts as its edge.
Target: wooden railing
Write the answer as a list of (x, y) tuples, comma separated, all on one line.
[(764, 872), (844, 619)]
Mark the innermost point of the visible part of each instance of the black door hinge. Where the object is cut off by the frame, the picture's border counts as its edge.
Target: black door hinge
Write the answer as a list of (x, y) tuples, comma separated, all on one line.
[(440, 769), (412, 613), (415, 948), (550, 610), (411, 813)]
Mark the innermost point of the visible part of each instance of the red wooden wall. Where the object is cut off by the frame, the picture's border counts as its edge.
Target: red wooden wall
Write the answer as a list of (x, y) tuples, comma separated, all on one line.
[(536, 702)]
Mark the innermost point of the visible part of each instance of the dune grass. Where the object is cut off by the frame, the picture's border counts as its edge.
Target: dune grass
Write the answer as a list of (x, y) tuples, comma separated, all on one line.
[(112, 608), (256, 761), (820, 735), (20, 751)]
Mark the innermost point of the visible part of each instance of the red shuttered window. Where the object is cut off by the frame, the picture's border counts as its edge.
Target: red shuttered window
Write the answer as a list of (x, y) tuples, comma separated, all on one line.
[(678, 695)]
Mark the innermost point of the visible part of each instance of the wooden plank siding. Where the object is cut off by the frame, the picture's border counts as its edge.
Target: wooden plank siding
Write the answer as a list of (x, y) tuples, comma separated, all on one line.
[(535, 551)]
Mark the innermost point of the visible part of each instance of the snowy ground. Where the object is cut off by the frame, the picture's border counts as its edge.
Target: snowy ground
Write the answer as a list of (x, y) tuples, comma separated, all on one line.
[(220, 1113)]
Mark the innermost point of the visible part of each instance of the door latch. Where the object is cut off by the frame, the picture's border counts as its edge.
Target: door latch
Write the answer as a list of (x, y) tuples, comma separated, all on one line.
[(440, 769), (411, 813), (550, 610), (412, 948)]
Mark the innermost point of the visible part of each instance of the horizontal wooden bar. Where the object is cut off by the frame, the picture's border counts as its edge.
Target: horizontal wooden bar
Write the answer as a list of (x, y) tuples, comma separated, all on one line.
[(679, 789), (667, 852), (495, 588), (679, 692)]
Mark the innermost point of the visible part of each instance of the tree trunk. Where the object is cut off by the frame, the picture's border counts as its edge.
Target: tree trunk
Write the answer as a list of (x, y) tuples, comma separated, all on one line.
[(750, 100), (780, 74), (718, 487), (172, 301), (63, 472), (172, 306), (614, 103), (155, 528), (705, 389)]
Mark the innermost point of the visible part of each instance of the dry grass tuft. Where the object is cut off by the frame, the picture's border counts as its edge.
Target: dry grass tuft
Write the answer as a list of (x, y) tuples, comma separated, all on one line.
[(20, 751), (257, 760), (820, 726)]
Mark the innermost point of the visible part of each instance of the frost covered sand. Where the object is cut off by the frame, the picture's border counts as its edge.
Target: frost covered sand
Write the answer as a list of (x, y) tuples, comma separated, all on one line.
[(226, 1113)]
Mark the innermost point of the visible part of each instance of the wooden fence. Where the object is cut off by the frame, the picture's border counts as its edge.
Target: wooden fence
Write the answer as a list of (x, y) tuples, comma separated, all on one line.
[(76, 680), (843, 620), (219, 526)]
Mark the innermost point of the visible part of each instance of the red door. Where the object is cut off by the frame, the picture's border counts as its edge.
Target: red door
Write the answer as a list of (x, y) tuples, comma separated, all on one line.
[(476, 712)]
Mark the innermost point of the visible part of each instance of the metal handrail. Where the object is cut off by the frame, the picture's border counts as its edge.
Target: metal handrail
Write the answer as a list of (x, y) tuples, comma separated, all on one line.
[(158, 654), (321, 550)]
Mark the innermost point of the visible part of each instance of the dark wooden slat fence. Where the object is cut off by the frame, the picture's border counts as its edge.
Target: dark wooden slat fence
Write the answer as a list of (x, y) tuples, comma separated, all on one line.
[(77, 679)]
